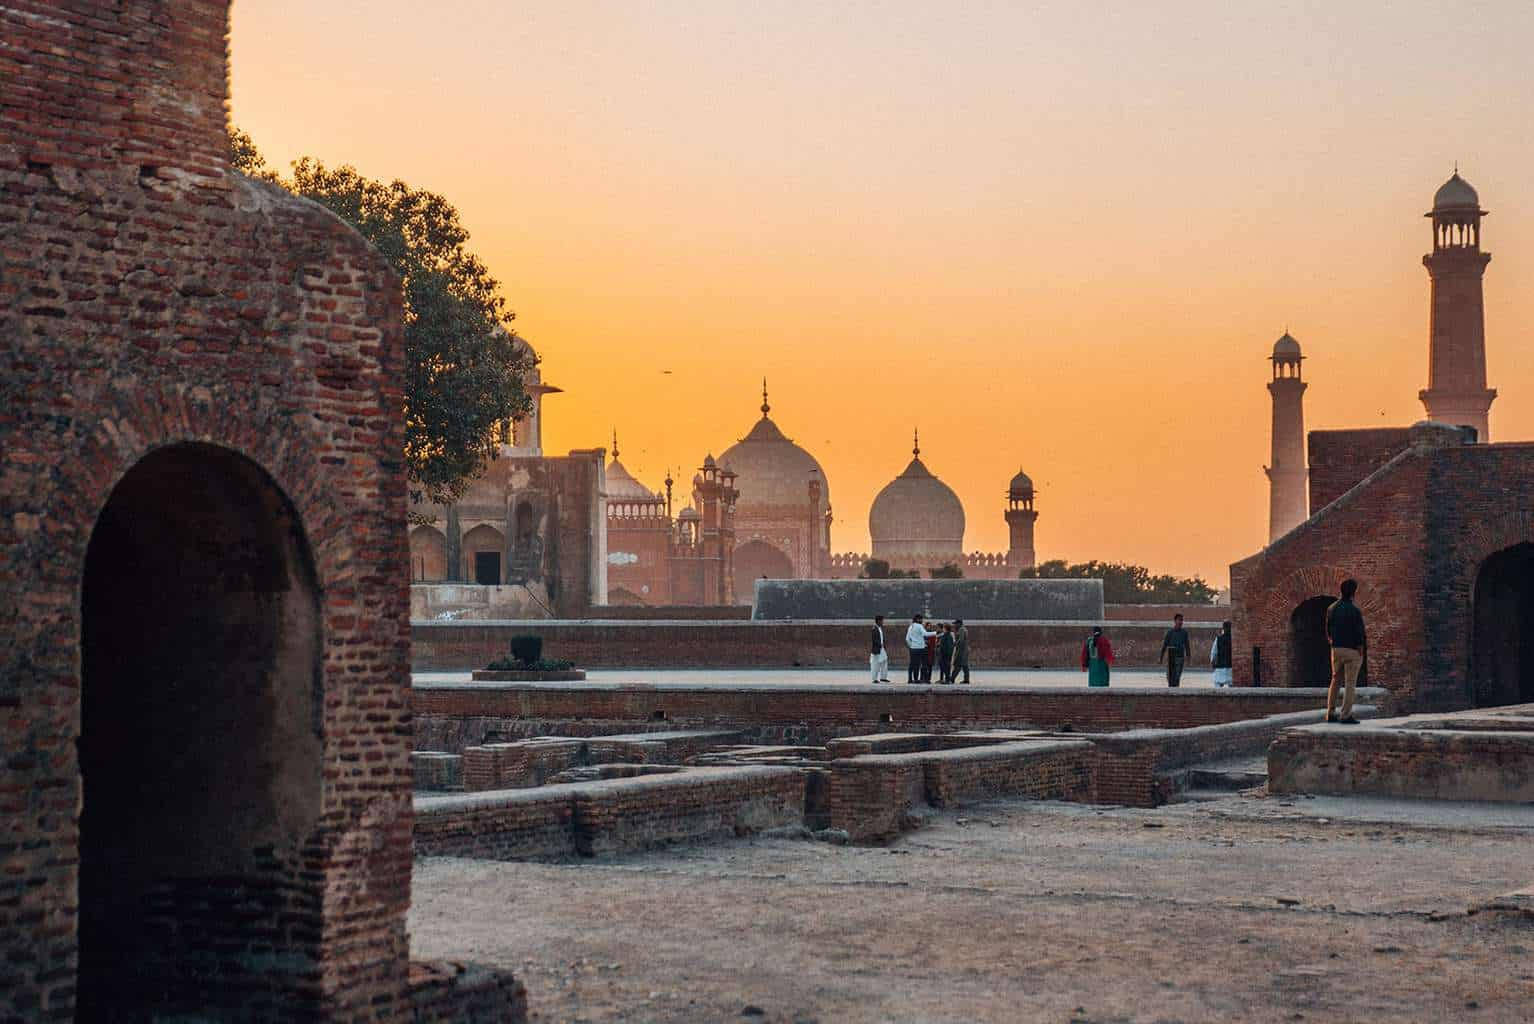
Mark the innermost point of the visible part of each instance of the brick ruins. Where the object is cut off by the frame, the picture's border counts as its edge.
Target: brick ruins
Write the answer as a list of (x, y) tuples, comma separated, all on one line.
[(202, 551)]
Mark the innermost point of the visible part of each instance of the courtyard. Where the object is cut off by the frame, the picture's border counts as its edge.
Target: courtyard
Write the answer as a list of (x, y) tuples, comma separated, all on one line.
[(1234, 909)]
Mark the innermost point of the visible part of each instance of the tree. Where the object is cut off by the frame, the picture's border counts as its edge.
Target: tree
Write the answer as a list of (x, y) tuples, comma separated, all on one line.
[(947, 571), (464, 368), (1127, 584), (876, 569)]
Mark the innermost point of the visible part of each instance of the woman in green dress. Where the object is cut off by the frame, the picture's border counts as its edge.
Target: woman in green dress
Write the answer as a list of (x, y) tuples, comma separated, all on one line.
[(1096, 656)]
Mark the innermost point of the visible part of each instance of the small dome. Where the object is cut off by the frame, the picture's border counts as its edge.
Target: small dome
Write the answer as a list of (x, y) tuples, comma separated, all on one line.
[(1286, 348), (916, 514), (1456, 193), (1020, 484), (688, 514)]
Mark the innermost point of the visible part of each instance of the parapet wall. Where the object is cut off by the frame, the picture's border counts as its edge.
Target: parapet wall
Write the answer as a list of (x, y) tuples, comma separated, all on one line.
[(458, 646), (818, 713), (1044, 600)]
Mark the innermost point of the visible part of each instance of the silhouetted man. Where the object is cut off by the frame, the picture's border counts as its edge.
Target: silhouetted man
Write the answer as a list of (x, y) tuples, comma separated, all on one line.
[(878, 656), (916, 636), (1174, 650), (1345, 632), (960, 649)]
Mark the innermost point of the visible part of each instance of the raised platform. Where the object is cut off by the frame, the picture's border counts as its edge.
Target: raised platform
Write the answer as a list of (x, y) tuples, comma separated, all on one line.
[(737, 644), (1482, 755), (898, 600)]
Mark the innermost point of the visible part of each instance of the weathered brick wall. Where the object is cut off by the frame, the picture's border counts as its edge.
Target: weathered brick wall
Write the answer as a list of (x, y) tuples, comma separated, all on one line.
[(671, 612), (149, 296), (610, 816), (1341, 458), (437, 771), (872, 796), (1376, 536), (1415, 764), (447, 646), (464, 994), (812, 714)]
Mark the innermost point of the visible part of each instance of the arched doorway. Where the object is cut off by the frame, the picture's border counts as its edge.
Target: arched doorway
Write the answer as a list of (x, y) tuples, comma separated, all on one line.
[(200, 746), (1502, 640), (482, 549), (428, 555), (1310, 655), (755, 559)]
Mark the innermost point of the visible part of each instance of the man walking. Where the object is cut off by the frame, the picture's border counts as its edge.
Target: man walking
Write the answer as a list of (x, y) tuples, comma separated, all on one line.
[(878, 657), (1174, 650), (1345, 632), (916, 636), (960, 650)]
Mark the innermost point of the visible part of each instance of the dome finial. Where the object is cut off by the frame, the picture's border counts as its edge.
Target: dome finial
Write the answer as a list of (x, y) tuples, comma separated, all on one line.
[(615, 444), (916, 442), (765, 407)]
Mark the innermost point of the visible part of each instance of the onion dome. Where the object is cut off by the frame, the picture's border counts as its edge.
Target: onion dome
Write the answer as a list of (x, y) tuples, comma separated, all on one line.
[(916, 514), (1286, 348), (771, 469), (1456, 194)]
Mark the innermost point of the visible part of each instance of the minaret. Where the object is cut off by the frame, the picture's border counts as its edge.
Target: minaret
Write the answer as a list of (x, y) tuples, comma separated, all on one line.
[(1020, 520), (1288, 478), (1456, 389)]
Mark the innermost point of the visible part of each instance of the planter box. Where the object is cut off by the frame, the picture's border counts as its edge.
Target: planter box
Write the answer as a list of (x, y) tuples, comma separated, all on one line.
[(487, 675)]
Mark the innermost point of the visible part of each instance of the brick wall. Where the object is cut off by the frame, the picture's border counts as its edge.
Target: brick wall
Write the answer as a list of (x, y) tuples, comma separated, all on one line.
[(813, 714), (465, 994), (446, 646), (610, 816), (152, 300), (1341, 458), (1408, 763)]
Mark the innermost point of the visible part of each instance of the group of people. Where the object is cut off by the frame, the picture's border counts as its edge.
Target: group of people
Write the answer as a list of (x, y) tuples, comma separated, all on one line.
[(945, 645), (1176, 649)]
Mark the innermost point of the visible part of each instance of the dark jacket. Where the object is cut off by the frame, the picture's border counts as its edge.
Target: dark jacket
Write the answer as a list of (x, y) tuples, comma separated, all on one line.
[(1345, 625), (876, 644), (1176, 640), (945, 645), (1222, 650), (961, 645)]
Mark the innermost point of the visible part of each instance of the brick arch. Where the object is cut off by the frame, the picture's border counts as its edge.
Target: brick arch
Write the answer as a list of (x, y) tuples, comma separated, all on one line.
[(1484, 539), (1449, 609), (1270, 624)]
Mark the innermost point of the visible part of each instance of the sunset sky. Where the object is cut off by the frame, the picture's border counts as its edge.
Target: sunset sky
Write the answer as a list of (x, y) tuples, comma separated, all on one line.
[(1061, 236)]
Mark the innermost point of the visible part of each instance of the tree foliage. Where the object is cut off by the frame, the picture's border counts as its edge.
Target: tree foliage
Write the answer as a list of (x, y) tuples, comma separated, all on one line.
[(1127, 584), (947, 571), (464, 368)]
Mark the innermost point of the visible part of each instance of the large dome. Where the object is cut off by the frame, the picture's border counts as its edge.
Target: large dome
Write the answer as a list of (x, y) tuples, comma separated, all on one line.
[(621, 485), (916, 514), (1456, 193), (772, 469)]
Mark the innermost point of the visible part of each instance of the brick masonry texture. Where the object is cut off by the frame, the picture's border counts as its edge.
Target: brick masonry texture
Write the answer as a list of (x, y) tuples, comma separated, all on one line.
[(1415, 534), (149, 298), (610, 816), (1339, 459), (455, 646), (812, 714)]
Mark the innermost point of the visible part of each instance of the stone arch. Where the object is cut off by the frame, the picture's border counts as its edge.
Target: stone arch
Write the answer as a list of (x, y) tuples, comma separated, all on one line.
[(1502, 628), (484, 549), (755, 559), (200, 741), (428, 555)]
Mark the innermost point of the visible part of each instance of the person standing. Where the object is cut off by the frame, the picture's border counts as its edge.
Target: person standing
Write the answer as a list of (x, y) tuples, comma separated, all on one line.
[(960, 650), (878, 656), (1345, 632), (1220, 656), (945, 655), (1096, 656), (1174, 651), (916, 636)]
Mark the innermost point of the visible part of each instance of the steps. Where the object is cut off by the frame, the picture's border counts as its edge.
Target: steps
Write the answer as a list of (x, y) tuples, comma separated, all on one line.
[(1215, 780)]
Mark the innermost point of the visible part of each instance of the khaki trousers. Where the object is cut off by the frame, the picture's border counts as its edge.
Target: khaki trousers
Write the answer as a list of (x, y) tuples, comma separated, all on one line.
[(1345, 665)]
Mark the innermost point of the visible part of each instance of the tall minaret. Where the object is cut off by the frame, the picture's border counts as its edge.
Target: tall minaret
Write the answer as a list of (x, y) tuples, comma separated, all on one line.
[(1020, 519), (1456, 389), (1288, 498)]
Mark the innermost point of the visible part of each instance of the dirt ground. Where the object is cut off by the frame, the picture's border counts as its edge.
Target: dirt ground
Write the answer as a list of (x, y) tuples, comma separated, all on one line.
[(1241, 909)]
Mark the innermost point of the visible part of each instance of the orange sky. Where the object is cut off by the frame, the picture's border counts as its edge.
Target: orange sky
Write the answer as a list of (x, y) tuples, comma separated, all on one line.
[(1079, 226)]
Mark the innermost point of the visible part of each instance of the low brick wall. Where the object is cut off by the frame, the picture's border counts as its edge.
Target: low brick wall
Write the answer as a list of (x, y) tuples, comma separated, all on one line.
[(458, 646), (873, 795), (815, 714), (610, 816), (465, 994), (1377, 760), (532, 762), (437, 770)]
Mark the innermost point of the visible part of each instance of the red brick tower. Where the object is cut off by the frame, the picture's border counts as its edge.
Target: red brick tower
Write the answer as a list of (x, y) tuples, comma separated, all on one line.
[(1020, 519), (1456, 391), (1288, 504)]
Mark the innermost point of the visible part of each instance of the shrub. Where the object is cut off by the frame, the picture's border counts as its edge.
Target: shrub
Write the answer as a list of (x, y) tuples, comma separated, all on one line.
[(527, 649), (541, 665)]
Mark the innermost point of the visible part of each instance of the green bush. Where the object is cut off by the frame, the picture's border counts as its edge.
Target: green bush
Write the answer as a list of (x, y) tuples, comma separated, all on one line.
[(541, 665)]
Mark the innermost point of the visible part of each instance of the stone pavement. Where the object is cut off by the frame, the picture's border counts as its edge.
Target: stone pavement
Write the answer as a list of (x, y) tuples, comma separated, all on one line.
[(1129, 679)]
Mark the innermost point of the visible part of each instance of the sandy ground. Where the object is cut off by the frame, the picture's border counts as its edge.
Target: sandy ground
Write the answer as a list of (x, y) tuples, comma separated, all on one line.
[(1130, 679), (1236, 910)]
